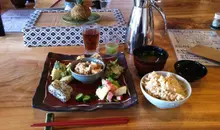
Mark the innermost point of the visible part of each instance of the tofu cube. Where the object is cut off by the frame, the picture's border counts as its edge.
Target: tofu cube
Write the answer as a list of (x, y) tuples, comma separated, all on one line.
[(101, 92)]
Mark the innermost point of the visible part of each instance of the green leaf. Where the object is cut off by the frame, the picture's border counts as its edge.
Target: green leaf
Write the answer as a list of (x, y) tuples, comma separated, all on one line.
[(113, 75), (86, 98), (63, 73), (115, 100), (57, 65), (114, 62), (79, 97), (113, 81)]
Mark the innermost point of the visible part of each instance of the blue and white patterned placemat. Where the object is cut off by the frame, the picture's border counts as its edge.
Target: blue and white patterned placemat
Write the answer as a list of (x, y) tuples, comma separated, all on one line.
[(35, 36), (15, 20)]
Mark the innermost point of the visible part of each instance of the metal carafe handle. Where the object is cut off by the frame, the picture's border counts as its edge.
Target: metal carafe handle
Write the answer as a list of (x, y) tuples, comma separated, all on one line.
[(154, 4)]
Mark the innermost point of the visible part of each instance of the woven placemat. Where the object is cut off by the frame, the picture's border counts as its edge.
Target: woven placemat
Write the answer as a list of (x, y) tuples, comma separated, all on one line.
[(54, 19), (15, 20)]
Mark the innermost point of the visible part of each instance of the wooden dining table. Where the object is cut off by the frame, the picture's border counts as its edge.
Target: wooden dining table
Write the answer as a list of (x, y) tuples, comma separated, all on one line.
[(21, 68)]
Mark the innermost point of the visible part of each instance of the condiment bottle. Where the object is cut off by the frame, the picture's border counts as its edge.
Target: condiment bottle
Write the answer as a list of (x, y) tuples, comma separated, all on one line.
[(216, 21)]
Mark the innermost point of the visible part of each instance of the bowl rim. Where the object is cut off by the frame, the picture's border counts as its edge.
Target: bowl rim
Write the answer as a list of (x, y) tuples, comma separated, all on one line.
[(204, 69), (154, 48), (71, 66), (176, 75)]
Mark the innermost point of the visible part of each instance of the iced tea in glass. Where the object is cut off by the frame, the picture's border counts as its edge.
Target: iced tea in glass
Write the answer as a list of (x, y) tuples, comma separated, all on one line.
[(91, 38)]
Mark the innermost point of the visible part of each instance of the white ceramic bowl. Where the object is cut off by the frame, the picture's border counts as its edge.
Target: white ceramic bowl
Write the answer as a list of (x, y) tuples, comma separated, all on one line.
[(162, 104)]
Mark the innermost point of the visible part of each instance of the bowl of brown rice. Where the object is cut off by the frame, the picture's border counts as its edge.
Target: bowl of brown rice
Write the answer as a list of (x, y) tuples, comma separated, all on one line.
[(165, 89)]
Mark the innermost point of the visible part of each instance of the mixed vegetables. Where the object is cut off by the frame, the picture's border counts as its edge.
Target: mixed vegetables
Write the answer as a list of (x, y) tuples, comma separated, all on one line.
[(83, 98), (113, 69), (61, 72), (88, 68), (111, 90)]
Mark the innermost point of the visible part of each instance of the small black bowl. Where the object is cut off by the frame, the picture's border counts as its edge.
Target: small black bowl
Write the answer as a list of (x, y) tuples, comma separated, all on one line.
[(190, 70), (149, 58)]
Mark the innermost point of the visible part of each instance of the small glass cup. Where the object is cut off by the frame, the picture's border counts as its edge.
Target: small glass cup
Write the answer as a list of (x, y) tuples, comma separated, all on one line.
[(104, 4), (91, 38), (111, 44)]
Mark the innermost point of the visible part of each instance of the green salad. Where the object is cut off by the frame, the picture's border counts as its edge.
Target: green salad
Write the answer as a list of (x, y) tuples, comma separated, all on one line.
[(113, 69)]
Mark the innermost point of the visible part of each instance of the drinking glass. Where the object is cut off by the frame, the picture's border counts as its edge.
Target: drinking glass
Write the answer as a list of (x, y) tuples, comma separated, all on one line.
[(105, 4), (91, 38), (111, 44)]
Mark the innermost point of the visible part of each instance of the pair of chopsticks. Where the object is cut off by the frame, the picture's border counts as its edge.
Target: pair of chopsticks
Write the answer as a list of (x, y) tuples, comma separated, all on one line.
[(86, 122)]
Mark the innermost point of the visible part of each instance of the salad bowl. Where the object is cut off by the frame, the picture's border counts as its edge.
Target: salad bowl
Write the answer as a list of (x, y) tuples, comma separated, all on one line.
[(87, 79)]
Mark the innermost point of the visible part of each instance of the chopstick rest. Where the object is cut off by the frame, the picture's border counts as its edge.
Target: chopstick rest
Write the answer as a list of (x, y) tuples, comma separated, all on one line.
[(49, 118), (86, 122)]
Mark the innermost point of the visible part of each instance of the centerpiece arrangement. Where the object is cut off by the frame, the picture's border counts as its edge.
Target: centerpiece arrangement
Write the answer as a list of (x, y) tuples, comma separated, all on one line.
[(80, 11), (81, 14)]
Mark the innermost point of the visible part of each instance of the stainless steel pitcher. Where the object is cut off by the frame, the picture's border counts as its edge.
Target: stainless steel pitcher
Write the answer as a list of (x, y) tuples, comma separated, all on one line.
[(141, 24)]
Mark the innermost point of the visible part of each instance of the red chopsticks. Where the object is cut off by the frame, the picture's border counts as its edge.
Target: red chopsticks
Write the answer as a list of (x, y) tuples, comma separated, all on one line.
[(86, 122)]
